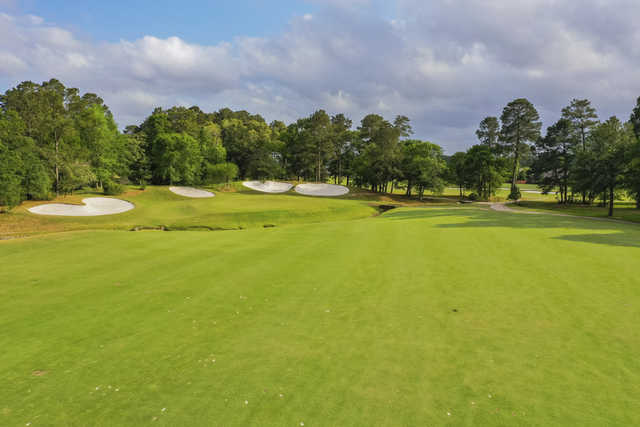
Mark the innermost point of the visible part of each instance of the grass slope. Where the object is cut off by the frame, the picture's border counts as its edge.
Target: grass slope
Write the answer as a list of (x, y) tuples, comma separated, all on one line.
[(157, 206), (339, 323)]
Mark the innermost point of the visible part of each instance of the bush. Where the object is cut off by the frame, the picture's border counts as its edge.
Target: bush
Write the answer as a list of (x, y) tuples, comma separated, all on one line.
[(112, 188), (473, 197), (221, 173), (515, 194)]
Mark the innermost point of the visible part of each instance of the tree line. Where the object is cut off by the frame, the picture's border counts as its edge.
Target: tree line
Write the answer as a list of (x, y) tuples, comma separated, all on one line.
[(55, 140), (580, 158)]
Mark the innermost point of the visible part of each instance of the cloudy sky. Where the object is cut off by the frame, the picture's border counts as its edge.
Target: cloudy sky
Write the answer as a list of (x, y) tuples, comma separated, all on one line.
[(444, 63)]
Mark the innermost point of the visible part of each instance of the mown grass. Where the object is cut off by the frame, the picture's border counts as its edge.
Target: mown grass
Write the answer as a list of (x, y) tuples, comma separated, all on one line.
[(420, 316), (623, 210), (233, 207), (157, 206)]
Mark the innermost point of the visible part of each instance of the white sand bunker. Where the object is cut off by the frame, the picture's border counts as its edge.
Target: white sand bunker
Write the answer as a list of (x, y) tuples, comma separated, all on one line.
[(268, 186), (94, 206), (325, 190), (191, 192)]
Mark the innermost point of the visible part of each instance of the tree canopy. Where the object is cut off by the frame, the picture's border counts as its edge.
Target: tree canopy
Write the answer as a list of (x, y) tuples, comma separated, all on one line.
[(54, 140)]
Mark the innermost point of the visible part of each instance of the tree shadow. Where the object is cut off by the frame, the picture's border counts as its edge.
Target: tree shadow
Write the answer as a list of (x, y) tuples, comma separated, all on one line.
[(615, 239), (627, 235)]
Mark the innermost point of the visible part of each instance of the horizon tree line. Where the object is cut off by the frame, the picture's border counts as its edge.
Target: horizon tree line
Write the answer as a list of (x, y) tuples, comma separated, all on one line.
[(579, 157), (54, 140)]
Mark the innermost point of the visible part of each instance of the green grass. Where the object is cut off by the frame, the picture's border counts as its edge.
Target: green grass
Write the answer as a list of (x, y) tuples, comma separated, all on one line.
[(157, 206), (501, 195), (622, 210), (334, 323), (233, 207)]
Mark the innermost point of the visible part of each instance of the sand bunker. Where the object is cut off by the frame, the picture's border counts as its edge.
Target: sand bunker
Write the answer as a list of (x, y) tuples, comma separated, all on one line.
[(268, 186), (191, 192), (325, 190), (94, 206)]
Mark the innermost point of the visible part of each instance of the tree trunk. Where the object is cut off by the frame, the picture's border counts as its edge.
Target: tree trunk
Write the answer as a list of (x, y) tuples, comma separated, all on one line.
[(516, 160), (611, 201), (55, 136), (516, 164)]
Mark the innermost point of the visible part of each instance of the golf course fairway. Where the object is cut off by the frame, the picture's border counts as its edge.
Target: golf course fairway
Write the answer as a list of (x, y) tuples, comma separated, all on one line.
[(418, 317)]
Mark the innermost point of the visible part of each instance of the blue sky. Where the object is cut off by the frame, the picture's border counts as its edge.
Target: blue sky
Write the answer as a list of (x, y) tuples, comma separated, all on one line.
[(197, 21), (445, 64)]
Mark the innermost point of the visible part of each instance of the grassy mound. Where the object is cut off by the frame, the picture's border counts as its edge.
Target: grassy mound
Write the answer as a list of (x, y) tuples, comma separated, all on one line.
[(157, 206)]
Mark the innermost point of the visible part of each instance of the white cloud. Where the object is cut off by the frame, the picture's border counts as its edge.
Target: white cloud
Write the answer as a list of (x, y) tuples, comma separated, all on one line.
[(11, 64), (35, 20), (445, 64)]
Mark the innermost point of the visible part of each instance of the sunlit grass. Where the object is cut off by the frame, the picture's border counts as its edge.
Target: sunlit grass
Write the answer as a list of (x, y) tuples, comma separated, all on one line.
[(420, 316)]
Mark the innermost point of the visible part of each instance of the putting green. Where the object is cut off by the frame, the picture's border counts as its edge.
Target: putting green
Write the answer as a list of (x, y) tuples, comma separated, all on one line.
[(426, 316)]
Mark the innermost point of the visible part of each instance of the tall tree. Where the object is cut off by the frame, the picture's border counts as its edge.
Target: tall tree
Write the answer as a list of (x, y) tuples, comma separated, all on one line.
[(554, 158), (22, 171), (378, 150), (635, 119), (456, 172), (102, 142), (248, 141), (342, 137), (489, 132), (583, 118), (319, 134), (422, 166), (176, 159), (632, 171), (520, 126), (610, 144), (483, 170), (211, 148)]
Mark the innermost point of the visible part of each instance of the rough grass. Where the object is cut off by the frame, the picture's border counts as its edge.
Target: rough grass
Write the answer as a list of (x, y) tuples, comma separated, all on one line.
[(420, 316)]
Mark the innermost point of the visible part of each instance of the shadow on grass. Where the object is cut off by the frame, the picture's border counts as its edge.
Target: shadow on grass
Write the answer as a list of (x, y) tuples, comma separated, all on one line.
[(627, 235), (615, 239), (625, 211)]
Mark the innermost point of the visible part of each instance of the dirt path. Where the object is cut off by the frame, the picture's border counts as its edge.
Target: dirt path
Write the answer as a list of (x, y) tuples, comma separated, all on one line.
[(502, 207)]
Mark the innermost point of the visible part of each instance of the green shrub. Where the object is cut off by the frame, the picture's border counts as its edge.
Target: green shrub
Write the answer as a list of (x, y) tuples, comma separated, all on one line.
[(473, 197), (515, 193), (112, 188), (221, 173)]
